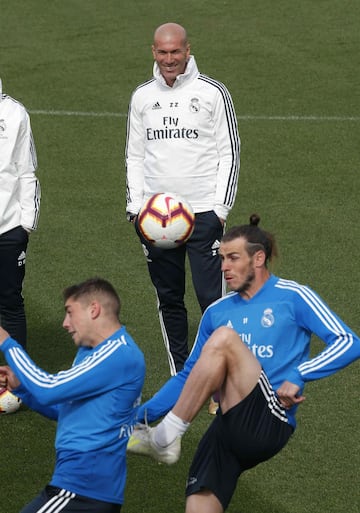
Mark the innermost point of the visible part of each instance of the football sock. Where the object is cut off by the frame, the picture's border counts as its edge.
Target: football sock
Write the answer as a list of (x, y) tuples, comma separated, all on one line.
[(169, 428)]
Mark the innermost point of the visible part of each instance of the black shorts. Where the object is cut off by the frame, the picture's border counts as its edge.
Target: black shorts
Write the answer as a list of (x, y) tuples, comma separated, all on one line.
[(251, 432), (53, 499)]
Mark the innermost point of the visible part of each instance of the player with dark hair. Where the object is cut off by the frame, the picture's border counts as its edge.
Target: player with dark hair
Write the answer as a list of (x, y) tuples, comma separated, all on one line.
[(253, 350), (94, 402)]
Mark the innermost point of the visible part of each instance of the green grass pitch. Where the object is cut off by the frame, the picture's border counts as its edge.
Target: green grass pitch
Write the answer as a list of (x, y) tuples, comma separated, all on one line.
[(292, 70)]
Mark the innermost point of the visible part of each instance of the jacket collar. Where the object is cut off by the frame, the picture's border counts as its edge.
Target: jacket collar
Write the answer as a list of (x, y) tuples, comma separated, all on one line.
[(191, 71)]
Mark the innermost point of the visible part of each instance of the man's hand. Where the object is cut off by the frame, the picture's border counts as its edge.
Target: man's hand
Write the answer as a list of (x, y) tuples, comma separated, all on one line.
[(3, 381), (131, 217), (3, 335), (8, 378), (288, 394)]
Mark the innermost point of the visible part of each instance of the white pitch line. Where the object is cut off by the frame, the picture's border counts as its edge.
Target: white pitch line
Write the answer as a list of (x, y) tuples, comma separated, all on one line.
[(300, 118), (243, 118), (78, 113)]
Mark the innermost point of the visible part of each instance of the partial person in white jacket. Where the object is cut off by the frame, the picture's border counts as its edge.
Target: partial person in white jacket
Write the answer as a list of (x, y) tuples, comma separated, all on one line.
[(19, 210), (182, 137)]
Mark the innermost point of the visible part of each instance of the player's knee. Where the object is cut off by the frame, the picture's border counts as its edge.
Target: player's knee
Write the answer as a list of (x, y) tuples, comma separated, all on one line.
[(226, 334), (222, 340)]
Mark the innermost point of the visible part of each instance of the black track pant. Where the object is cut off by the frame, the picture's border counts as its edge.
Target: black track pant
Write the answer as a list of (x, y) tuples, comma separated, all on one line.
[(167, 272), (13, 245)]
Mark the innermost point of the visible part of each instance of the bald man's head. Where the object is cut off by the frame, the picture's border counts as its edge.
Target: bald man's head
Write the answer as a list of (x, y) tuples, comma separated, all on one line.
[(171, 50)]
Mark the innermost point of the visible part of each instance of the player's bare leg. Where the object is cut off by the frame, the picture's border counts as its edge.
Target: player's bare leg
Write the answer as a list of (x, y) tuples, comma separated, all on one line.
[(203, 501), (225, 365)]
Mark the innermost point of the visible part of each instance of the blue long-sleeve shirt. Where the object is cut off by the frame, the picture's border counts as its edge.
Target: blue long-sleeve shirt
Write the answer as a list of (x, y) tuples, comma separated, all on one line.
[(94, 403), (276, 324)]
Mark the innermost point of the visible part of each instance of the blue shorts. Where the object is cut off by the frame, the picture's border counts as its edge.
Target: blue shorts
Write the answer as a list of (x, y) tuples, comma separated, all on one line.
[(251, 432), (53, 499)]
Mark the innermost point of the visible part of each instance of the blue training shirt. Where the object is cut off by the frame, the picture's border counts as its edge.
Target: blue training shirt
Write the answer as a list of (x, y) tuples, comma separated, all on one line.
[(276, 324), (94, 403)]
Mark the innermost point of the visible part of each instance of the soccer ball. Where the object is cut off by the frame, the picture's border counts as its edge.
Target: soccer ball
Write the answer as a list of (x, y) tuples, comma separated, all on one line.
[(166, 220), (9, 403)]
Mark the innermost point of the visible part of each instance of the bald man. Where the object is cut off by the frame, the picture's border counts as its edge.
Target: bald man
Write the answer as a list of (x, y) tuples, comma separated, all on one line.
[(171, 51), (182, 138)]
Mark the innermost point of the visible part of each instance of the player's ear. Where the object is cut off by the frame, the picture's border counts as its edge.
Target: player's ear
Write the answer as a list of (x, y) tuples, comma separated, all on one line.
[(95, 309), (260, 258)]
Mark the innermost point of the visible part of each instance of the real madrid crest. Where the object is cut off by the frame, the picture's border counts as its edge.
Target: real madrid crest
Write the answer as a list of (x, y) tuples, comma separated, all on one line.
[(194, 105), (267, 319)]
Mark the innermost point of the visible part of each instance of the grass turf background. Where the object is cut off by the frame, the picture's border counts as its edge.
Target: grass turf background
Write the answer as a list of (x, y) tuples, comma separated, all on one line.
[(291, 68)]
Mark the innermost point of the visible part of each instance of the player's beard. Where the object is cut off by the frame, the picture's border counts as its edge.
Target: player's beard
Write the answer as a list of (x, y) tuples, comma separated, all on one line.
[(249, 280)]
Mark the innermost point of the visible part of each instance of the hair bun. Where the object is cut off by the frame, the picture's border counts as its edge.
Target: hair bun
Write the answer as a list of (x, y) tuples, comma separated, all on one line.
[(254, 219)]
